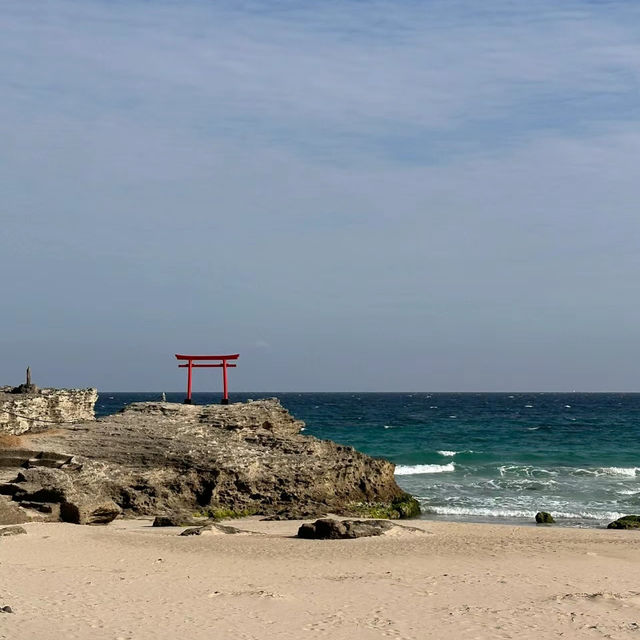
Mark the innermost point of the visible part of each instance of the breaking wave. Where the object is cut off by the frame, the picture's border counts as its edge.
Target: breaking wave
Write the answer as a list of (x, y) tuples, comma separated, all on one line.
[(627, 472), (449, 454), (488, 512), (415, 469)]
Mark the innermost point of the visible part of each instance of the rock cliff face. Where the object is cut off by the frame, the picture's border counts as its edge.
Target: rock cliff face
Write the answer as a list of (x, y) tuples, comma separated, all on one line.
[(161, 457), (23, 412)]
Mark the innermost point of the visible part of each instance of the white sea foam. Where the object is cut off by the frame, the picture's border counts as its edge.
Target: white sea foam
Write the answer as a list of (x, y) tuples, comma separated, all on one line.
[(489, 512), (628, 492), (415, 469), (520, 470), (627, 472), (620, 471), (450, 454)]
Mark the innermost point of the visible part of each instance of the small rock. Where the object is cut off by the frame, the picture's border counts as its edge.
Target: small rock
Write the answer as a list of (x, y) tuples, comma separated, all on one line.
[(195, 531), (626, 522), (330, 529), (6, 609), (12, 531), (543, 517)]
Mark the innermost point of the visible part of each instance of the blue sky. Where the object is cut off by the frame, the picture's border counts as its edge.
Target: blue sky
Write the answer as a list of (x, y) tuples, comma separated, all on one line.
[(353, 195)]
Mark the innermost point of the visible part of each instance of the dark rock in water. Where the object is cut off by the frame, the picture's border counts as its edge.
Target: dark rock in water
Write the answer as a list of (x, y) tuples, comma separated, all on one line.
[(12, 531), (330, 529), (86, 511), (543, 517), (626, 522)]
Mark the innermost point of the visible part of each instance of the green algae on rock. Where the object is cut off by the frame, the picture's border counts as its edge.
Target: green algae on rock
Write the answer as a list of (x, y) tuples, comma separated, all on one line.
[(626, 522), (544, 517), (404, 506)]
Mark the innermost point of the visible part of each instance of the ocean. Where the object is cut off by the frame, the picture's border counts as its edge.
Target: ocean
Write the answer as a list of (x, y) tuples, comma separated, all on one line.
[(481, 457)]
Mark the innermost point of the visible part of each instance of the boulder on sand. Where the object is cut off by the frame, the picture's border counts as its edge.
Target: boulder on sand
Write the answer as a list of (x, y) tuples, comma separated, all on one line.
[(89, 512), (331, 529)]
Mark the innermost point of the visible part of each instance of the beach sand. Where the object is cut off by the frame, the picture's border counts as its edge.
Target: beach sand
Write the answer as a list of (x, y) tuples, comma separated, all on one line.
[(449, 580)]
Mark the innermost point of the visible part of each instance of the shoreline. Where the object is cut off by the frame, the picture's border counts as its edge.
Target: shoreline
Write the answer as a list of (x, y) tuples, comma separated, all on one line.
[(128, 580), (581, 525)]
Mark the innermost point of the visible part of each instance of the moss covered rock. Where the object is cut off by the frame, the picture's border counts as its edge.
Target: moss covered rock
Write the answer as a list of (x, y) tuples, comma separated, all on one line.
[(543, 517), (404, 506), (626, 522)]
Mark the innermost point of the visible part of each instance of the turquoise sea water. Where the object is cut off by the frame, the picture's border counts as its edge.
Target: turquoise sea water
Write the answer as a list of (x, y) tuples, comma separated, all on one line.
[(482, 456)]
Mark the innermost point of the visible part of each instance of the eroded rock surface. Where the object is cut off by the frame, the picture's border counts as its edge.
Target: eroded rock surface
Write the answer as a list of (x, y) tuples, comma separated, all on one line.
[(332, 529), (158, 457), (34, 410)]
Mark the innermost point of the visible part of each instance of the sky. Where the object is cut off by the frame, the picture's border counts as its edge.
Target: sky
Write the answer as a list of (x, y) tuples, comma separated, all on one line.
[(354, 195)]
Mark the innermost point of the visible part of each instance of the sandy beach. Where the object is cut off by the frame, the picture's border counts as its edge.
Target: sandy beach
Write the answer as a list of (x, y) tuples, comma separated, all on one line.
[(129, 580)]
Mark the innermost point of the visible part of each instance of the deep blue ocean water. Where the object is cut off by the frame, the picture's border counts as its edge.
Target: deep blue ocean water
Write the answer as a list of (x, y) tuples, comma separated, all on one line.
[(482, 456)]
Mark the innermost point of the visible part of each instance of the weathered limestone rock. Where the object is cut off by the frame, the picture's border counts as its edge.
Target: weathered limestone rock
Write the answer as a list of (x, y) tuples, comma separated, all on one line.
[(218, 461), (331, 529), (12, 531), (85, 511), (40, 410), (11, 513), (626, 522), (543, 517)]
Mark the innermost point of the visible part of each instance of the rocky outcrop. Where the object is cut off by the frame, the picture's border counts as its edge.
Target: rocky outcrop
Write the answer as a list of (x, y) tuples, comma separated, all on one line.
[(22, 412), (219, 461)]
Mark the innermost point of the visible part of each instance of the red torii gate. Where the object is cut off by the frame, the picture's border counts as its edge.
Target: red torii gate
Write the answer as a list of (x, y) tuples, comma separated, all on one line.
[(224, 365)]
